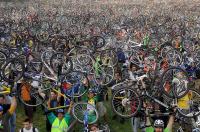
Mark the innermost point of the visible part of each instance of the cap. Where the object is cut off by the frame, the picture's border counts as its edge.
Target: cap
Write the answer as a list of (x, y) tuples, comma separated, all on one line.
[(60, 111), (91, 91)]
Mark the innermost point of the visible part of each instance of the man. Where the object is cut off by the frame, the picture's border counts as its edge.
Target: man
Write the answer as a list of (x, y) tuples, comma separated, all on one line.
[(59, 123), (159, 125), (28, 126), (52, 102), (5, 118), (25, 95)]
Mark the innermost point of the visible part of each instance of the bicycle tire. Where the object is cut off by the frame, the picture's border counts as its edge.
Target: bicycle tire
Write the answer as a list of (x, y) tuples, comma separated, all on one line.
[(103, 77), (35, 65), (75, 78), (95, 42), (66, 61), (163, 83), (135, 99), (14, 61), (34, 97), (194, 105), (78, 114), (84, 59), (172, 57), (112, 56)]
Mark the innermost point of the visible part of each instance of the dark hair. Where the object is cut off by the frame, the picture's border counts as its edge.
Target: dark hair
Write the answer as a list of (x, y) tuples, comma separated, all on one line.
[(134, 65), (118, 72), (27, 120), (2, 96), (54, 92)]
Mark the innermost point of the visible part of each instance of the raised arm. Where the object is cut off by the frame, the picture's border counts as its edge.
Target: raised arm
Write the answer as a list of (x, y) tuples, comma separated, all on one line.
[(148, 122), (170, 122), (13, 105)]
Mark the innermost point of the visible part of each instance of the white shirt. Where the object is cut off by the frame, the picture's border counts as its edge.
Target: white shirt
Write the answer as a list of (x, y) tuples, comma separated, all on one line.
[(31, 130)]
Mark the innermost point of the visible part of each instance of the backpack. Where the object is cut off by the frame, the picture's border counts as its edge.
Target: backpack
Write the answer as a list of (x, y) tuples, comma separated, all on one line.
[(25, 91), (121, 56), (34, 129)]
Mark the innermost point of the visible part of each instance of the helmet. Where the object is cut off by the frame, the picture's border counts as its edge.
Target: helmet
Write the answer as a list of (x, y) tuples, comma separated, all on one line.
[(158, 123), (196, 130)]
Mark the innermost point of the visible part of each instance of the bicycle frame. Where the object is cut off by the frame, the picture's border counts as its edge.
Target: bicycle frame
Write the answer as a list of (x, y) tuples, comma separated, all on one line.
[(55, 78), (6, 90), (146, 94), (65, 97)]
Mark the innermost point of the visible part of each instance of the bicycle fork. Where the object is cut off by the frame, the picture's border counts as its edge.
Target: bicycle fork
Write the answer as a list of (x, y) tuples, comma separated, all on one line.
[(85, 122)]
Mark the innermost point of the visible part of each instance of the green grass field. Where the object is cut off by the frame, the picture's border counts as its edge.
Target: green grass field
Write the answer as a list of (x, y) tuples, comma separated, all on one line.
[(39, 120)]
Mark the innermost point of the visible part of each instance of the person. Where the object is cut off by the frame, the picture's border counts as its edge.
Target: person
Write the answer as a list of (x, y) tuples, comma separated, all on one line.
[(52, 102), (94, 128), (5, 118), (60, 122), (25, 94), (12, 120), (96, 95), (102, 110), (136, 121), (158, 125), (197, 81), (28, 127), (5, 102), (92, 98)]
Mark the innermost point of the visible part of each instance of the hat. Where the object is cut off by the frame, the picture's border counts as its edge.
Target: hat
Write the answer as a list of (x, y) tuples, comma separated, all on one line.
[(91, 91), (60, 111)]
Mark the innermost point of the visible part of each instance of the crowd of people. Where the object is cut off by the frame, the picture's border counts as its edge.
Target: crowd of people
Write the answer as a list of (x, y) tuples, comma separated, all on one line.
[(59, 120), (119, 35)]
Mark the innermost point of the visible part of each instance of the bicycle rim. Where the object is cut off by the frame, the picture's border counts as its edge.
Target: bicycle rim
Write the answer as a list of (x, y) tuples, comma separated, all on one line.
[(79, 109)]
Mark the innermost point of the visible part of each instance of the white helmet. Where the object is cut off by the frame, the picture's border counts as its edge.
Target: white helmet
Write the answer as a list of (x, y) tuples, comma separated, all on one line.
[(159, 123)]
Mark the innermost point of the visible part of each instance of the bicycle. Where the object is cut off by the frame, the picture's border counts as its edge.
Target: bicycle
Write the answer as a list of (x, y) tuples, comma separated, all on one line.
[(39, 94)]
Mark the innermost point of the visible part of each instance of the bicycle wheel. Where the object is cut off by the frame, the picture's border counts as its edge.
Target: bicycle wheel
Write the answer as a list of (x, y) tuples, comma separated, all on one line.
[(126, 102), (76, 79), (59, 59), (13, 70), (79, 109), (98, 41), (84, 59), (189, 105), (174, 57), (174, 82), (109, 57), (46, 55), (104, 74), (188, 45), (22, 57), (28, 93), (35, 65), (165, 49)]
